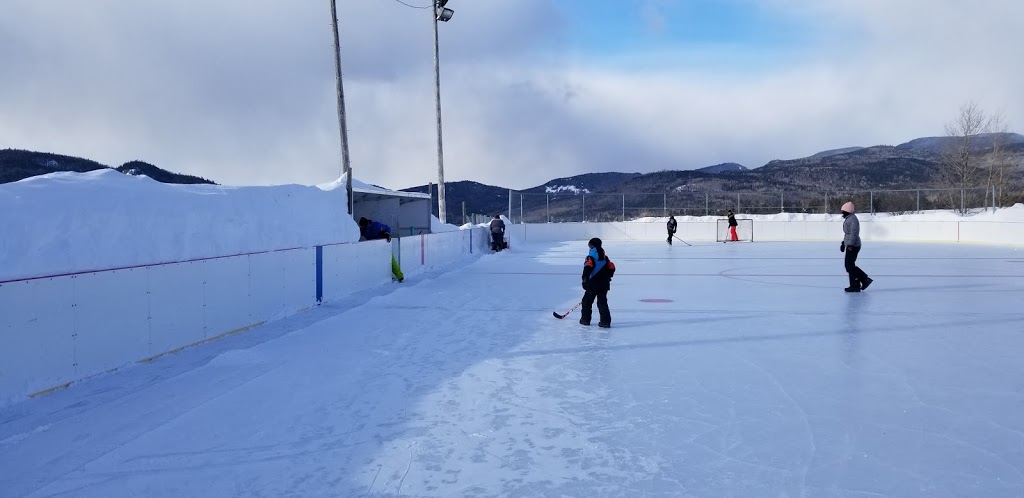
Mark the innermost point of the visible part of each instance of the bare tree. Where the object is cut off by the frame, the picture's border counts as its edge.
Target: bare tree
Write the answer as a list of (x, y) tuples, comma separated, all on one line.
[(961, 163), (998, 160)]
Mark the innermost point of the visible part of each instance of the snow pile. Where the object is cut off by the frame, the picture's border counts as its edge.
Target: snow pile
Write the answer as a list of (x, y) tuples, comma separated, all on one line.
[(487, 224), (1013, 213), (437, 227), (565, 188), (69, 222), (356, 184)]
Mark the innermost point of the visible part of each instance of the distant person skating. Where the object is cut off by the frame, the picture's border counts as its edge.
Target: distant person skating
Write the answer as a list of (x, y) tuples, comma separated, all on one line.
[(671, 227), (373, 230), (597, 281), (732, 227), (851, 246), (497, 233)]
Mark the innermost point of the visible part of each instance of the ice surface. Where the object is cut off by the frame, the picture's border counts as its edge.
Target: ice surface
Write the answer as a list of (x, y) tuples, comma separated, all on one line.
[(759, 378)]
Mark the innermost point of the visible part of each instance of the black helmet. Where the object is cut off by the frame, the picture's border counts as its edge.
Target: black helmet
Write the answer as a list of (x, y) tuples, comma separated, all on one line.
[(595, 242)]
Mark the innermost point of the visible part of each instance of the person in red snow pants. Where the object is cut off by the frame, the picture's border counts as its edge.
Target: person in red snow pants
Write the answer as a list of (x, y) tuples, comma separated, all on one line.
[(732, 227)]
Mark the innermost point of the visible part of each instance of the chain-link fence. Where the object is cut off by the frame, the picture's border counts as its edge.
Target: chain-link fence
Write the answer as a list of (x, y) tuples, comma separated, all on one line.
[(567, 207)]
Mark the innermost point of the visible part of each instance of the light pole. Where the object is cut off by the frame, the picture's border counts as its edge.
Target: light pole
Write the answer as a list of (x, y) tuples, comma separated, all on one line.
[(346, 167), (440, 14)]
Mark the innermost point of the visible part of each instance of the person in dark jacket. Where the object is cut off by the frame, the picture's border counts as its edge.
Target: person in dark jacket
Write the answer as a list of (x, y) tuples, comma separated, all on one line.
[(497, 233), (851, 246), (372, 230), (671, 228), (597, 281), (732, 227)]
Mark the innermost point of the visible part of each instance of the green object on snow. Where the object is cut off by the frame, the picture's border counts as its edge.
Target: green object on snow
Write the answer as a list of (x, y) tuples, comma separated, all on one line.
[(396, 270)]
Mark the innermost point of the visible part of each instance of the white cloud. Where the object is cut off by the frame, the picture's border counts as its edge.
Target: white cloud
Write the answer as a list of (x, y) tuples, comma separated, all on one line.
[(243, 92)]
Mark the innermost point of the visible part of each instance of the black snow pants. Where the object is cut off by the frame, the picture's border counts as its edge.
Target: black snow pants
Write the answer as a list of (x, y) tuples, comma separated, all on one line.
[(602, 306), (857, 276)]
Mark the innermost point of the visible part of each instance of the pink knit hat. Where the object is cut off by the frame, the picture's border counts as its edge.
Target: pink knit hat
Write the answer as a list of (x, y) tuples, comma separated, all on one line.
[(848, 207)]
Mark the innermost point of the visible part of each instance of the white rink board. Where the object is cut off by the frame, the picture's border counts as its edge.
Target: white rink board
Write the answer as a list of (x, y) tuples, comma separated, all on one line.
[(372, 265), (176, 305), (266, 285), (111, 313), (988, 232), (226, 295), (37, 326), (298, 279), (993, 232)]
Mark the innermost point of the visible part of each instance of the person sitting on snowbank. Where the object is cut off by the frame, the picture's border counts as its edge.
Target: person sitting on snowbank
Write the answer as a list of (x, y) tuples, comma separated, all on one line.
[(372, 230), (597, 281)]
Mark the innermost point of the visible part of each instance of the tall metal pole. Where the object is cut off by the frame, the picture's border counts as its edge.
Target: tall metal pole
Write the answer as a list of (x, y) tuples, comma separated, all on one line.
[(346, 167), (437, 104), (547, 208), (510, 205), (521, 219)]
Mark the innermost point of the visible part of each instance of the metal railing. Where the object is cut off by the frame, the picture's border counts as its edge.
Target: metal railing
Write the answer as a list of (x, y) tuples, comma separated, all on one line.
[(566, 207)]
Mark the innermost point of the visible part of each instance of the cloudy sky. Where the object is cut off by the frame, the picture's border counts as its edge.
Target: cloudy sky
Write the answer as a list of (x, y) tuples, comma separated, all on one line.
[(243, 92)]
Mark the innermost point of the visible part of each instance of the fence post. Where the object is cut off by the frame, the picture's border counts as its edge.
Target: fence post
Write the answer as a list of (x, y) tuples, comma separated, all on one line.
[(547, 207), (584, 208), (664, 201), (521, 219), (737, 203), (510, 205), (782, 202), (993, 198), (463, 212), (962, 211), (707, 205), (872, 192), (623, 208), (918, 200)]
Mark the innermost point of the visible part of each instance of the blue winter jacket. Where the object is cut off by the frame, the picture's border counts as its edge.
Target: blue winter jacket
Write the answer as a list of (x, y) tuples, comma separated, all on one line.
[(375, 230)]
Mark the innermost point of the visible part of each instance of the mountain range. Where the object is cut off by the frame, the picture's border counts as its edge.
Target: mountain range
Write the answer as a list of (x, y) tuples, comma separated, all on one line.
[(914, 164), (18, 164)]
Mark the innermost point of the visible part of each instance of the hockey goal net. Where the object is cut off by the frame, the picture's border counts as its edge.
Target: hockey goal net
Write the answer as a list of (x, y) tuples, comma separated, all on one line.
[(744, 231)]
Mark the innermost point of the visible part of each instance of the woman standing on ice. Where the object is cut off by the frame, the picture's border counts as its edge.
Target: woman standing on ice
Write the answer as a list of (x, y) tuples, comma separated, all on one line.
[(597, 281), (851, 246)]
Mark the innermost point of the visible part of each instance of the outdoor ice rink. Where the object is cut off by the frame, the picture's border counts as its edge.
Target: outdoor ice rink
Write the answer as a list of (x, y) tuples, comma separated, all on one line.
[(753, 374)]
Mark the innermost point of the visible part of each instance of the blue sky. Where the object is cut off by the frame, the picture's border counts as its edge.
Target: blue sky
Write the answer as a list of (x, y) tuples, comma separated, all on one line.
[(531, 89), (603, 28)]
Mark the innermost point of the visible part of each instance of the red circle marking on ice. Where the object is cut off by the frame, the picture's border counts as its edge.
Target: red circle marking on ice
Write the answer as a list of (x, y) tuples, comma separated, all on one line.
[(655, 300)]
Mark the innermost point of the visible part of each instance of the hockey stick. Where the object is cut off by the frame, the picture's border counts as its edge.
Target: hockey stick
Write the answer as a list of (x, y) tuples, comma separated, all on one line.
[(566, 313), (681, 240)]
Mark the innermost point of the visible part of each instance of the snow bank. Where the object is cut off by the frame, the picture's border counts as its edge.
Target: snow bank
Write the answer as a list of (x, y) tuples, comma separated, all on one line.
[(487, 224), (437, 227), (1013, 213), (68, 222)]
